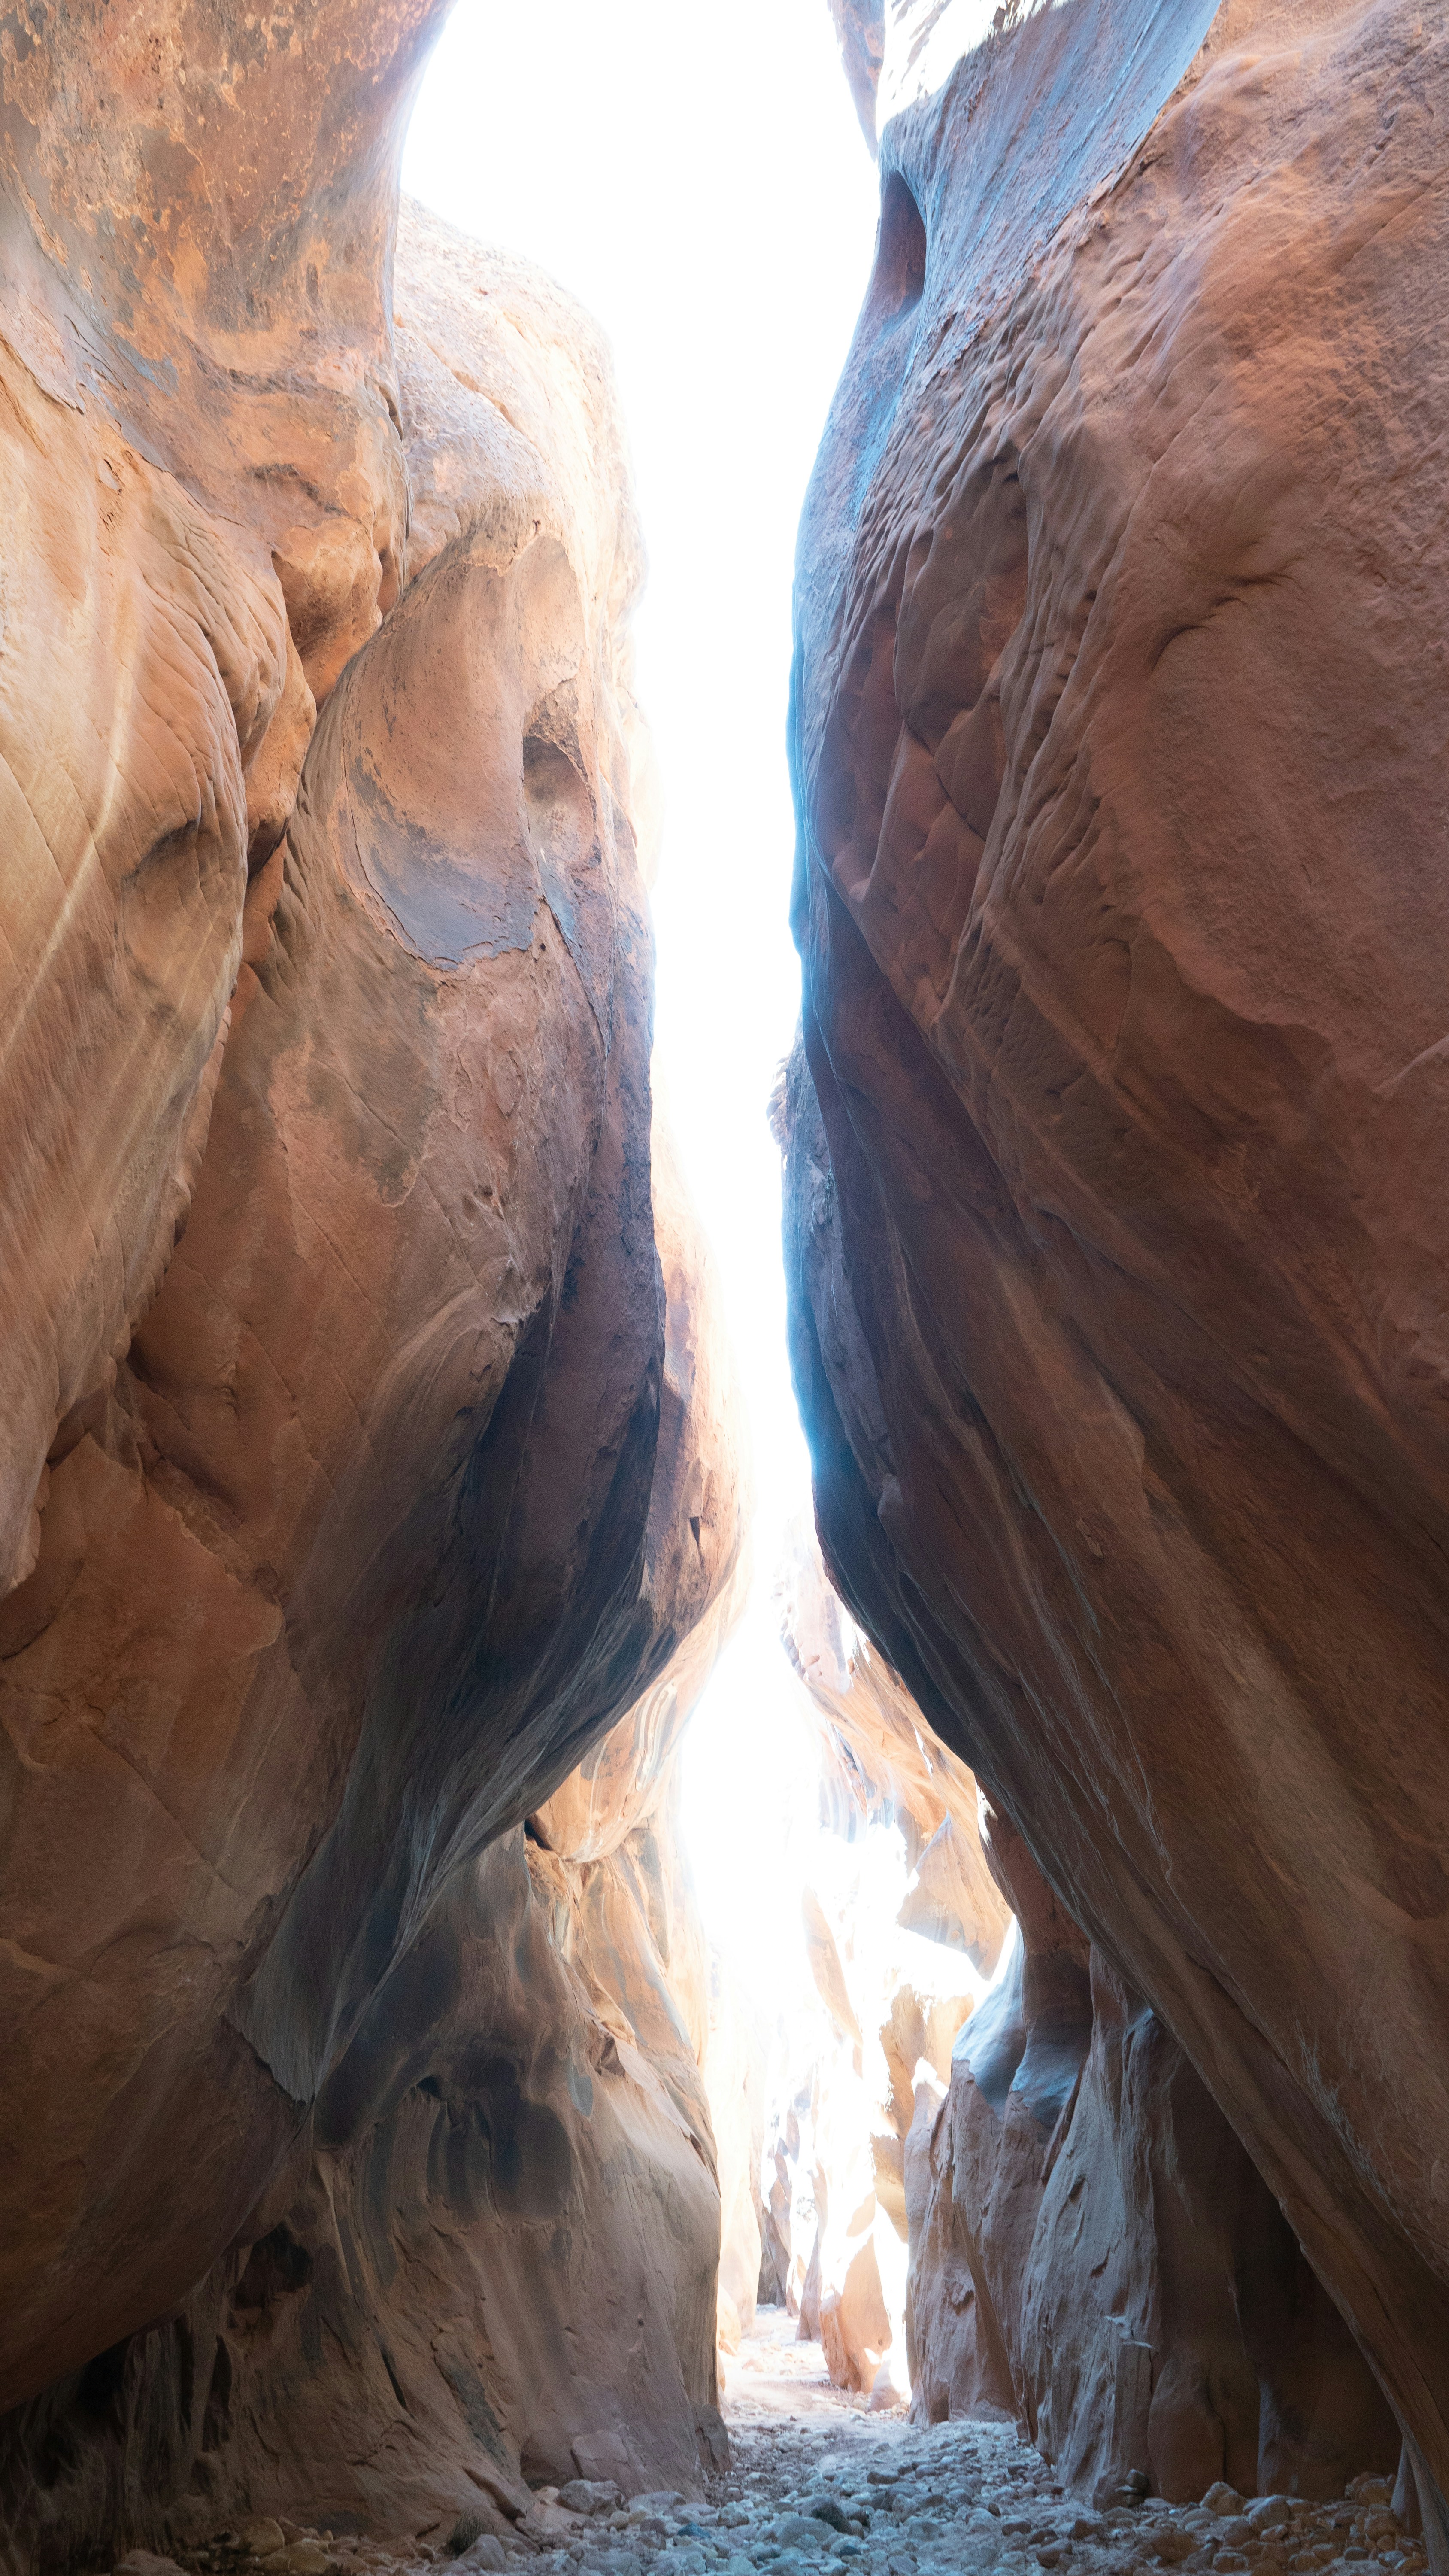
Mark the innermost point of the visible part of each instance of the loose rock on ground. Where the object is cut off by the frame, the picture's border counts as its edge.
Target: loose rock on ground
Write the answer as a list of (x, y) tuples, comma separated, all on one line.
[(820, 2482)]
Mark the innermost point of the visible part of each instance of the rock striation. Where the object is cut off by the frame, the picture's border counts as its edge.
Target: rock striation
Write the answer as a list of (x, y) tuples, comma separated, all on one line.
[(1114, 1183), (368, 1448), (206, 505)]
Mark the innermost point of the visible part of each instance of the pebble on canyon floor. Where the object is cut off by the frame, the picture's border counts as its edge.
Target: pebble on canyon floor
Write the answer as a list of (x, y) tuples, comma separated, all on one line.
[(876, 2498)]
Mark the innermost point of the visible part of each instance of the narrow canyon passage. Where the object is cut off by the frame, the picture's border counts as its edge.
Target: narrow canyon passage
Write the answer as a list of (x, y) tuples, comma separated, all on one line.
[(724, 1288), (820, 2481)]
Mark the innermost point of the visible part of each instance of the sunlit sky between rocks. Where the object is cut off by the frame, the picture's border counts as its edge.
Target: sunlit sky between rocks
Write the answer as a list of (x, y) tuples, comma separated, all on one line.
[(698, 180)]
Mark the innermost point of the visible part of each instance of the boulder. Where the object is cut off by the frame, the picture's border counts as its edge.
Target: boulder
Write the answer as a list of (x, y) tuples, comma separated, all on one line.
[(590, 2495)]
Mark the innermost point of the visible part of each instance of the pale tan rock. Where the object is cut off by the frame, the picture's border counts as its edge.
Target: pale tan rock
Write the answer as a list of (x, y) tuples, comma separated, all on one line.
[(734, 2080), (861, 32), (883, 1757), (837, 2210)]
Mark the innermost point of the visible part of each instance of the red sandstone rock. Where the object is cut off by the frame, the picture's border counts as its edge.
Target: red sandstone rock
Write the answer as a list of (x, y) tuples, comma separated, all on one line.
[(1093, 2253), (205, 502), (1118, 744), (516, 2150), (373, 1510)]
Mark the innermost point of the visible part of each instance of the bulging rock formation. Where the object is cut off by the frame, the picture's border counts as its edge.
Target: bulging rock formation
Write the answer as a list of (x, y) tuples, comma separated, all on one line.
[(206, 510), (1115, 1189), (368, 1449), (1094, 2255), (490, 2263)]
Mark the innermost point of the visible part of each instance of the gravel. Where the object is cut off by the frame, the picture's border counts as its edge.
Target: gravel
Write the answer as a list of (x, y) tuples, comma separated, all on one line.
[(835, 2490)]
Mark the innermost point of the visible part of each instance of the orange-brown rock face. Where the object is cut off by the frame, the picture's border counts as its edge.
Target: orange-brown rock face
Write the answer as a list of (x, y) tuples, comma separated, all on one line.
[(1118, 1293), (891, 2001), (373, 1508), (1094, 2254), (205, 504), (491, 2261)]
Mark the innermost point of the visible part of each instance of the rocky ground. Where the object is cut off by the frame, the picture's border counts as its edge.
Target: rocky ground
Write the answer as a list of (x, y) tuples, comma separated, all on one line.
[(819, 2481)]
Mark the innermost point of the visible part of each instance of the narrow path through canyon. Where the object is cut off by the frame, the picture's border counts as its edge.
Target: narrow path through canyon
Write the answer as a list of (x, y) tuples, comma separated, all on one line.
[(820, 2480), (724, 1459)]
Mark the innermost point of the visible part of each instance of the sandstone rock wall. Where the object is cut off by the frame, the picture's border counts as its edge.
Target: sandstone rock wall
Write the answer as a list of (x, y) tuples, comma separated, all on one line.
[(367, 1445), (492, 2262), (206, 502), (889, 2007), (734, 2065), (1117, 1274), (1094, 2254)]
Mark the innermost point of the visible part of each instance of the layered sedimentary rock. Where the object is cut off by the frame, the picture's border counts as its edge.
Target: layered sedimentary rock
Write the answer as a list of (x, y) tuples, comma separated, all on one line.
[(1116, 1196), (367, 1451)]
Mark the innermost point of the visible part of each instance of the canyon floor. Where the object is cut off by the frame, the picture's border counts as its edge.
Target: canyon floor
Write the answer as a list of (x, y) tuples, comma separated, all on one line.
[(821, 2481)]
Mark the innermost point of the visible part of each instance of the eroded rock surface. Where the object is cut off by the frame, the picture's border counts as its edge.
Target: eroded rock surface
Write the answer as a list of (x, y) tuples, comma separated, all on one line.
[(1116, 1247), (509, 2183), (391, 1456), (205, 502), (897, 1958), (1094, 2255)]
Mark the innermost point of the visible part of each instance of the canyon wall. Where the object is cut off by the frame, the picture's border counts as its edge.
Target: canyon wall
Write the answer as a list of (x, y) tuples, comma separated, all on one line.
[(367, 1449), (902, 1931), (1094, 2256), (1115, 1189), (491, 2261)]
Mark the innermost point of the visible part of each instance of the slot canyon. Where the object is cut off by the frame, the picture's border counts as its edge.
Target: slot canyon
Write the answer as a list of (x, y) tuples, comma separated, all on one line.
[(724, 1565)]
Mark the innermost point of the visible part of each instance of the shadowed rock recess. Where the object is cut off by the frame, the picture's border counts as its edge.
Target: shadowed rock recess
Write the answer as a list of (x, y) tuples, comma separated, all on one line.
[(1117, 1192), (367, 1446)]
